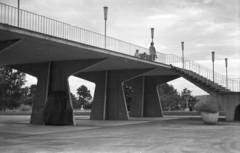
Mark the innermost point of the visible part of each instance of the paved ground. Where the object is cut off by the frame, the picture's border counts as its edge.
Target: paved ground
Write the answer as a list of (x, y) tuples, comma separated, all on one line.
[(168, 135)]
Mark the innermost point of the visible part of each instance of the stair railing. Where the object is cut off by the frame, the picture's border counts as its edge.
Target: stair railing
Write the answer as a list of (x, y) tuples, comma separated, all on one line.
[(199, 70)]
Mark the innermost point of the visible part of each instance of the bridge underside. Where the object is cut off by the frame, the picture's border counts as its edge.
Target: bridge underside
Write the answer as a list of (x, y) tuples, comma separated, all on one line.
[(52, 60)]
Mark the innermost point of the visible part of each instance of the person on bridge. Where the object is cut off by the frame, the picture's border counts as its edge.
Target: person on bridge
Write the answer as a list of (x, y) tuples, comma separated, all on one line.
[(137, 54), (152, 52)]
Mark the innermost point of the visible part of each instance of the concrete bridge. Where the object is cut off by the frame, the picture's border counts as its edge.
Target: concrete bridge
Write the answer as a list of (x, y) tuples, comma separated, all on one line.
[(52, 51)]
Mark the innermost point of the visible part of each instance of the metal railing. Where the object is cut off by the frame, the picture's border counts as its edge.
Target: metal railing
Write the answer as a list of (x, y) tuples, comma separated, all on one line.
[(41, 24), (202, 73), (31, 21)]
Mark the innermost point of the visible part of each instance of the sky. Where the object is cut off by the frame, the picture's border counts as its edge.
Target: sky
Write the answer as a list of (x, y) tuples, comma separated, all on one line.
[(203, 25)]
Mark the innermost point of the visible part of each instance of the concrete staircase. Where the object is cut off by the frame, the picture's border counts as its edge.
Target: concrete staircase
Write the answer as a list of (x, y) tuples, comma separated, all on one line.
[(200, 81)]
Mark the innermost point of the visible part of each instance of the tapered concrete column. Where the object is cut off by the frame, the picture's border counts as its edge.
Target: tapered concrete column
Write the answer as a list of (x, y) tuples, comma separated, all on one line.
[(136, 109), (41, 71), (116, 103), (109, 101), (152, 104), (146, 101), (53, 76), (60, 72), (229, 102), (98, 104)]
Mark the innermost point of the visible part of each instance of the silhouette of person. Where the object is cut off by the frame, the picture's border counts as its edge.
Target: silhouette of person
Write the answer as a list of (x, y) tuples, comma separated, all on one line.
[(137, 54), (152, 52)]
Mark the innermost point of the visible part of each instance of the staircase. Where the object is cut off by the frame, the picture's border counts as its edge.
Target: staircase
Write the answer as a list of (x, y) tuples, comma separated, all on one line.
[(200, 80)]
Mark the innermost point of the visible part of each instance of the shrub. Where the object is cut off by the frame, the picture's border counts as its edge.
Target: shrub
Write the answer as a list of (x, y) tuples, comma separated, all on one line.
[(208, 107), (23, 107), (88, 105)]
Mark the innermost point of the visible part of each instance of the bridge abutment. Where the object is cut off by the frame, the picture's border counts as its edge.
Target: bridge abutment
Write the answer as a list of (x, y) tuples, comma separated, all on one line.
[(229, 103)]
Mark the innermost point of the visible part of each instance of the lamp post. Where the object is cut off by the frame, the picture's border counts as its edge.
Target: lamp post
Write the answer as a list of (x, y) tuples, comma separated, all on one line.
[(18, 11), (183, 54), (213, 56), (105, 18), (226, 64), (152, 33)]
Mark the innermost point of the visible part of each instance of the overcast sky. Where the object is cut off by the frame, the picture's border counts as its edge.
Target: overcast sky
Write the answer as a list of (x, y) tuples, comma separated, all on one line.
[(204, 26)]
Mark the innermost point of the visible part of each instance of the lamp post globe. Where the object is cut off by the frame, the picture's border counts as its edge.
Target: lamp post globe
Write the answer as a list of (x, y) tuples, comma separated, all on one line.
[(152, 33)]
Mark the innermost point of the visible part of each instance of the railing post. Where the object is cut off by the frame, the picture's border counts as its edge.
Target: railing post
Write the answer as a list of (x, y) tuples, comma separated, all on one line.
[(18, 11), (183, 54), (226, 64), (213, 55)]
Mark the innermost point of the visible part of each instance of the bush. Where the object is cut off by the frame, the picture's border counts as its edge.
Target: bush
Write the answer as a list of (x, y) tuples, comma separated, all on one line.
[(23, 107), (88, 105), (208, 107)]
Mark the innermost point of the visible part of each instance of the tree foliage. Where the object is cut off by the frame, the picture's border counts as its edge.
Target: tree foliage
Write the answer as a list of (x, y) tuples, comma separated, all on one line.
[(28, 94), (75, 103), (128, 91), (10, 88), (84, 96), (172, 100), (190, 100)]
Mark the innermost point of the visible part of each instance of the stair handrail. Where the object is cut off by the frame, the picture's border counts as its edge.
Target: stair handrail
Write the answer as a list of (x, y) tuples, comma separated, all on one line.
[(207, 73)]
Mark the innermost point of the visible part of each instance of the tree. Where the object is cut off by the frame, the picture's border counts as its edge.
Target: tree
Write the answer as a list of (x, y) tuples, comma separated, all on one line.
[(75, 103), (170, 98), (171, 102), (33, 89), (84, 95), (166, 89), (28, 94), (10, 87), (128, 90), (189, 100)]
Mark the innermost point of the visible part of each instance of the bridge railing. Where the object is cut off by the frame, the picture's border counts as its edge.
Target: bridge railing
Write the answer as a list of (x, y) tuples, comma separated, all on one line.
[(34, 22)]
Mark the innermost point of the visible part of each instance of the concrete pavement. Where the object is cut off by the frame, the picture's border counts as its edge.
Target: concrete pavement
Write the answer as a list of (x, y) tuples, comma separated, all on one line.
[(168, 134)]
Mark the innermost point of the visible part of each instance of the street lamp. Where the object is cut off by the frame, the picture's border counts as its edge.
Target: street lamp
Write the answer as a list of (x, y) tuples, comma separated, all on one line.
[(226, 64), (18, 11), (213, 56), (152, 33), (105, 18), (183, 54)]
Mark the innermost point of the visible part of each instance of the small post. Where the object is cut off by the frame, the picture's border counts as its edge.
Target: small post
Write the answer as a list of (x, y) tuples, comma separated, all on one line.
[(105, 18), (183, 54), (226, 64), (213, 58)]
